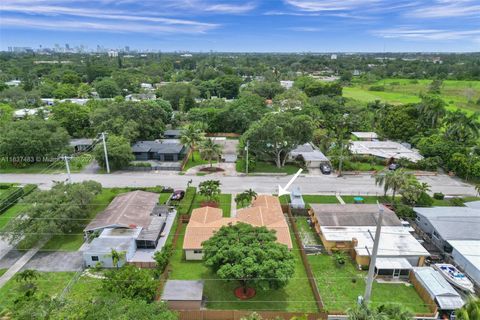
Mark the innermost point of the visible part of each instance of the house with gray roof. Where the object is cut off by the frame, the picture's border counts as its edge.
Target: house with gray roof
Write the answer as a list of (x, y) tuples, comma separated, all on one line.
[(170, 150), (172, 134), (310, 154), (183, 294), (443, 224)]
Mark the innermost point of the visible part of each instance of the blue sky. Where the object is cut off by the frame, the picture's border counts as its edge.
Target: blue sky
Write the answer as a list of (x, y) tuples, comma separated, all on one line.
[(247, 25)]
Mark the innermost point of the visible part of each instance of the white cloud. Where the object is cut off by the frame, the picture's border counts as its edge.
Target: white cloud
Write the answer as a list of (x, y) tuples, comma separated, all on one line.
[(230, 8), (444, 9), (411, 33), (305, 29), (328, 5)]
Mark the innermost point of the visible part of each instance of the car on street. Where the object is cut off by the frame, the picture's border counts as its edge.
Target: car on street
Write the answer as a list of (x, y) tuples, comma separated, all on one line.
[(325, 168), (393, 166)]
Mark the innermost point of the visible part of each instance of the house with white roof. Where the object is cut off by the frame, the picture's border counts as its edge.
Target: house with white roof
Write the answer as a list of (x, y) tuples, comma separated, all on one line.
[(385, 150)]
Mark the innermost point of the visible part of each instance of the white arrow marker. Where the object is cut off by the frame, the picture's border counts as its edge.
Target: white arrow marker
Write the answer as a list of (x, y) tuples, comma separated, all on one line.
[(283, 191)]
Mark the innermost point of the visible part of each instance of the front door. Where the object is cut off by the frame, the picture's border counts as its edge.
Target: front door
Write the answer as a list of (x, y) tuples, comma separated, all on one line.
[(396, 273)]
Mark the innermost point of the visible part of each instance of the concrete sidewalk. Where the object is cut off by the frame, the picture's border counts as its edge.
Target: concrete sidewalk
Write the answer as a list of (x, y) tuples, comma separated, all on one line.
[(18, 265)]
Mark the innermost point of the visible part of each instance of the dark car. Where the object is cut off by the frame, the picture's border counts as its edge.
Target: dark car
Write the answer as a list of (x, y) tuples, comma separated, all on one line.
[(325, 168), (178, 195), (393, 166)]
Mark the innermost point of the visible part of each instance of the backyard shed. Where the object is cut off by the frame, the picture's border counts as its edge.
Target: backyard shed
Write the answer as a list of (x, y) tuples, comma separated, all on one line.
[(296, 199), (437, 288), (183, 294)]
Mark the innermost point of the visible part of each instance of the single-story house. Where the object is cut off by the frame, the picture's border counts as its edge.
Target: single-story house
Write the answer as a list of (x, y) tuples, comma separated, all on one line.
[(312, 156), (365, 136), (430, 282), (23, 113), (133, 221), (13, 83), (160, 150), (81, 145), (172, 134), (385, 150), (287, 84), (183, 294), (351, 228), (265, 211), (444, 224), (140, 96)]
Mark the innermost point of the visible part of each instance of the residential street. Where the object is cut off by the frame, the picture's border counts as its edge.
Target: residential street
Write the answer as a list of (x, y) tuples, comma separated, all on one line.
[(309, 184)]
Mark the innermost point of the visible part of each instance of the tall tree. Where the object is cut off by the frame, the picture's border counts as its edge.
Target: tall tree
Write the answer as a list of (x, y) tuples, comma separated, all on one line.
[(470, 311), (432, 109), (249, 255), (192, 135), (119, 153), (210, 189), (392, 180), (462, 127), (210, 150)]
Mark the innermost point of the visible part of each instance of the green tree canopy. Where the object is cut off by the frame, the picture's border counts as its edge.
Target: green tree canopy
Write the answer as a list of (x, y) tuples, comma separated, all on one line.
[(107, 88), (119, 152), (249, 255), (75, 118), (61, 209), (131, 282)]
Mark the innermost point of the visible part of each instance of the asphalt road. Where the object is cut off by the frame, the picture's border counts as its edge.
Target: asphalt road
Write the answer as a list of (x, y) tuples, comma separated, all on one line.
[(309, 184)]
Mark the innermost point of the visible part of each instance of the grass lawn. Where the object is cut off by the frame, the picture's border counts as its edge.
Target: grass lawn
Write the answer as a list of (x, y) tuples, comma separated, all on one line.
[(164, 197), (11, 213), (448, 203), (364, 166), (455, 93), (2, 271), (224, 201), (307, 234), (198, 161), (309, 198), (72, 242), (296, 296), (84, 288), (339, 292), (366, 199), (51, 283)]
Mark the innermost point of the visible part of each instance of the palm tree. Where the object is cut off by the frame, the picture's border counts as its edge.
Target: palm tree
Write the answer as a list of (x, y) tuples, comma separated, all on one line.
[(251, 194), (432, 109), (392, 180), (210, 150), (191, 135), (364, 312), (461, 127), (469, 311), (116, 257), (395, 311)]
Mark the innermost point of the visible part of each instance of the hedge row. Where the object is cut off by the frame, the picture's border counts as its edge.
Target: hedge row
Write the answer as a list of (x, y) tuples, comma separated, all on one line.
[(186, 203), (11, 197)]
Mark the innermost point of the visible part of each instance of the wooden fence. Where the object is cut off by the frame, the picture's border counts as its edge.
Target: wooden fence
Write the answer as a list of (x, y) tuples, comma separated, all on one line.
[(311, 277), (237, 315)]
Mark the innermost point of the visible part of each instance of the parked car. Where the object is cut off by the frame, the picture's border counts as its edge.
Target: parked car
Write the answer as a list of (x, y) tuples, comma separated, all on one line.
[(178, 195), (325, 168), (393, 166)]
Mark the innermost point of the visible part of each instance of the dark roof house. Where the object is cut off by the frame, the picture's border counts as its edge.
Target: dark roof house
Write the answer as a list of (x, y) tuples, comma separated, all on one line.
[(161, 150), (172, 134)]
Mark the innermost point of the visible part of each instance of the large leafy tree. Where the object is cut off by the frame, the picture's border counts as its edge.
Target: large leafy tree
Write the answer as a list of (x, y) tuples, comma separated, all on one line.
[(249, 255), (180, 95), (107, 88), (6, 113), (462, 127), (33, 139), (131, 282), (228, 86), (210, 150), (119, 153), (276, 134), (143, 120), (73, 117), (60, 210), (399, 122), (432, 110)]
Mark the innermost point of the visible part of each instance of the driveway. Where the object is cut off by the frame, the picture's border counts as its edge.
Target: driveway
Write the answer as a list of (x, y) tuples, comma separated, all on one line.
[(56, 261)]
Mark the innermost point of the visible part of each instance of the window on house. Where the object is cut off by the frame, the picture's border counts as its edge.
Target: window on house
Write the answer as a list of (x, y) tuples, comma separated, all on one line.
[(94, 258), (197, 251)]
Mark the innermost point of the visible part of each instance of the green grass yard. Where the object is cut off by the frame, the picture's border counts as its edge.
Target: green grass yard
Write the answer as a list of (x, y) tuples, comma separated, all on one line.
[(340, 287), (197, 161), (11, 213), (268, 167), (308, 198), (307, 234), (296, 296), (73, 241), (448, 202), (224, 201), (162, 199), (50, 283), (2, 271), (366, 199), (456, 94)]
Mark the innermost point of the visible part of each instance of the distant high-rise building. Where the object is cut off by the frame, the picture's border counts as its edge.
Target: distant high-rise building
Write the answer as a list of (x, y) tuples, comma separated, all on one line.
[(127, 48), (67, 46)]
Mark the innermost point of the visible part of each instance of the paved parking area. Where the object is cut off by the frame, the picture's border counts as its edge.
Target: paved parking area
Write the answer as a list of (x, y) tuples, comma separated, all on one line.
[(56, 261)]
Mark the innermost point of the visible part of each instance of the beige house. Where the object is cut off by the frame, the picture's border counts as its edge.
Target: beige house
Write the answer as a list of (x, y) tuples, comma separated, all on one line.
[(265, 211)]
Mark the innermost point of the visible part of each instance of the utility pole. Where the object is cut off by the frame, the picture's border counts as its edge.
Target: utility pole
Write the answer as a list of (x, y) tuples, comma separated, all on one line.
[(246, 161), (340, 163), (106, 153), (373, 257), (67, 165)]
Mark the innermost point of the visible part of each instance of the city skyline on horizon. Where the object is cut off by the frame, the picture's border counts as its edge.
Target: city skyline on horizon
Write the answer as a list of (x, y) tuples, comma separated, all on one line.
[(291, 26)]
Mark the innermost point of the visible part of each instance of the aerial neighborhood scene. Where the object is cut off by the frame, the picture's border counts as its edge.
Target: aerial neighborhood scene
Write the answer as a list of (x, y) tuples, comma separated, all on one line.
[(240, 160)]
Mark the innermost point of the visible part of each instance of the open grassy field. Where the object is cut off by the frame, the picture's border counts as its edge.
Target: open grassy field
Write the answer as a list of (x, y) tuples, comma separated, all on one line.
[(341, 286), (296, 296), (456, 94)]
